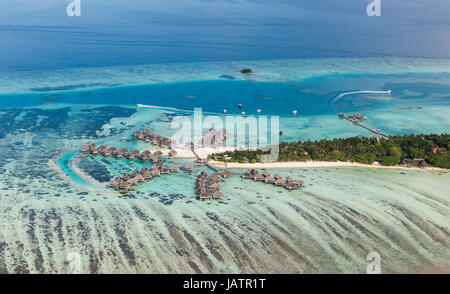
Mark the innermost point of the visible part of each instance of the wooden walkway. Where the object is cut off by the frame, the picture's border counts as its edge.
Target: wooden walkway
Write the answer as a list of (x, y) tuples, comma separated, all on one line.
[(356, 122), (206, 161), (210, 166)]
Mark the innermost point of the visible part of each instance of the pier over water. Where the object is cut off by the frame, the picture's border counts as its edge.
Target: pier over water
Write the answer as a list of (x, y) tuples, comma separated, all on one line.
[(355, 118)]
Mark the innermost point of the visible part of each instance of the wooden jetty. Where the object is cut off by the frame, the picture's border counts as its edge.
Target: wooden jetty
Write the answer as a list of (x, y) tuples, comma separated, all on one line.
[(356, 120)]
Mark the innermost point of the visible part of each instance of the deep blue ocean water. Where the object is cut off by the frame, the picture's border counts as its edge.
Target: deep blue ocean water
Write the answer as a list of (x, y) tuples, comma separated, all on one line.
[(313, 96), (40, 35)]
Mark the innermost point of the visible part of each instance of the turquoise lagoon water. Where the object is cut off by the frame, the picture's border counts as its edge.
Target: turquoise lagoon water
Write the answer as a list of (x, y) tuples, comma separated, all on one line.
[(159, 227)]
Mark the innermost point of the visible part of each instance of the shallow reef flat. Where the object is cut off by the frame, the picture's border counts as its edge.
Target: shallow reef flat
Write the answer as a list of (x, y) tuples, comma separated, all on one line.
[(329, 226), (53, 200), (281, 70)]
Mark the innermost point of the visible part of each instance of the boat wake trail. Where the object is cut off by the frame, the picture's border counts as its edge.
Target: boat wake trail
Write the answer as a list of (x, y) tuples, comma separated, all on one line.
[(340, 96), (175, 109)]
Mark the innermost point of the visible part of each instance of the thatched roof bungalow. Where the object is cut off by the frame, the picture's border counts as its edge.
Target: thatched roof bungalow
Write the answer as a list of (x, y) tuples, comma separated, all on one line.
[(269, 180), (124, 185), (247, 175), (217, 195), (189, 168), (300, 183), (147, 175), (279, 182), (84, 148)]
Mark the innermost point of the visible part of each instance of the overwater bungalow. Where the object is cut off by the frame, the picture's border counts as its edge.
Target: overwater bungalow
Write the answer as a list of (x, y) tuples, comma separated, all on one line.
[(135, 173), (126, 177), (299, 183), (84, 148), (155, 167), (227, 174), (105, 152), (147, 175), (132, 181), (124, 185), (94, 151), (136, 133), (266, 174), (356, 117), (123, 150), (154, 158), (144, 170), (289, 180), (277, 177), (290, 186), (247, 175), (113, 184), (204, 195), (139, 178), (254, 172), (158, 153), (155, 173), (259, 178), (279, 182), (165, 170), (172, 153), (214, 186), (217, 195), (269, 180), (189, 168), (92, 146), (174, 168)]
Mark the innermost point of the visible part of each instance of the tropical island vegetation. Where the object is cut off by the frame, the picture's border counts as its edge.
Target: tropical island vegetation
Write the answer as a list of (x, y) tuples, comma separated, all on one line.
[(406, 150)]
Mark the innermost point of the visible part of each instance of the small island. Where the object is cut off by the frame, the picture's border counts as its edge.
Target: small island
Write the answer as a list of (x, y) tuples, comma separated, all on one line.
[(247, 71), (401, 150)]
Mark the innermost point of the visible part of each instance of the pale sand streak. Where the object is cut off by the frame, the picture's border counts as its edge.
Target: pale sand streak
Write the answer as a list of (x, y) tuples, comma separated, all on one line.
[(311, 164)]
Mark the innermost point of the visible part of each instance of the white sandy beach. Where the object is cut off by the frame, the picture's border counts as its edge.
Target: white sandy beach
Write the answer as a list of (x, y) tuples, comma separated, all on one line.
[(310, 164), (204, 152)]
